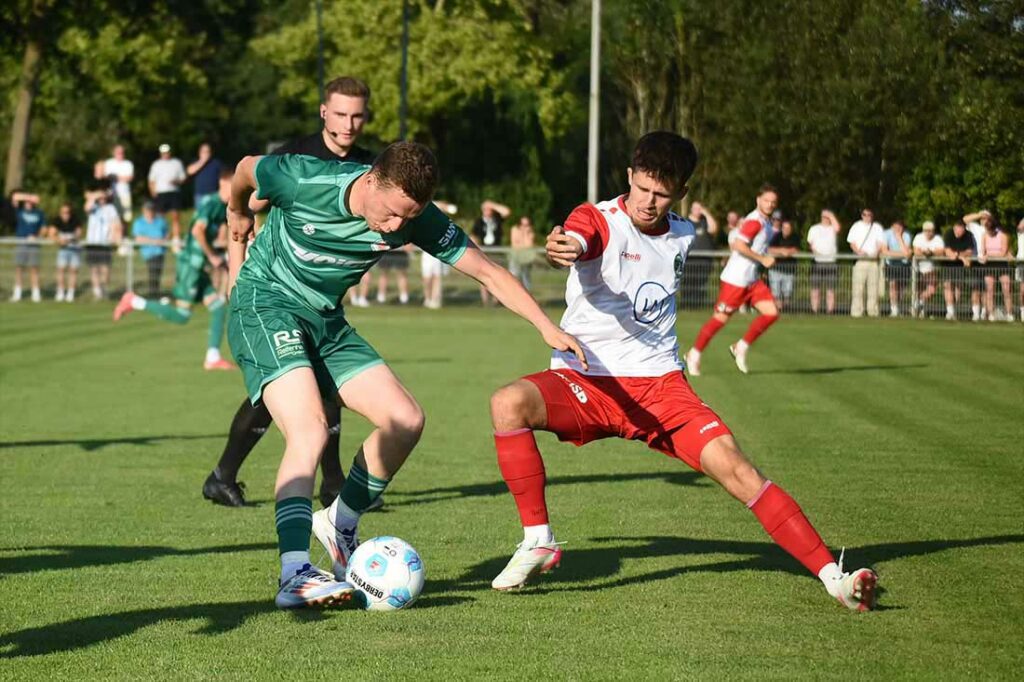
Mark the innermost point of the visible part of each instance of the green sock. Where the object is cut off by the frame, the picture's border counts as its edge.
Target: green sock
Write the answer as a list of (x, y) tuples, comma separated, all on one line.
[(361, 488), (171, 313), (218, 314), (294, 517)]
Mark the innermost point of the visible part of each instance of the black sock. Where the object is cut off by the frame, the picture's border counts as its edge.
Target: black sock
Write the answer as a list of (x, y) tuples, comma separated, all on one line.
[(330, 458), (248, 426)]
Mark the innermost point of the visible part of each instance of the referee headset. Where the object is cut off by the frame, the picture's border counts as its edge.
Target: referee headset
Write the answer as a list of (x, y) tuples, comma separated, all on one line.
[(367, 116)]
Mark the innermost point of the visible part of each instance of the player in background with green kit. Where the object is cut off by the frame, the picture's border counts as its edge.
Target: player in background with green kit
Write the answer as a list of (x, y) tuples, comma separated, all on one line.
[(329, 223), (192, 282)]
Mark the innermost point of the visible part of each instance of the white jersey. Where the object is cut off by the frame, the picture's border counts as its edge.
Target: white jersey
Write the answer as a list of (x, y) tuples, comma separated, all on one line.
[(756, 231), (621, 293)]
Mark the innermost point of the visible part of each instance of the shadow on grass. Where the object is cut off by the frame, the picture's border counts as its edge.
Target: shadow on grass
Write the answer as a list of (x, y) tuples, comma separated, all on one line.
[(459, 492), (601, 564), (597, 568), (837, 370), (59, 557), (90, 444)]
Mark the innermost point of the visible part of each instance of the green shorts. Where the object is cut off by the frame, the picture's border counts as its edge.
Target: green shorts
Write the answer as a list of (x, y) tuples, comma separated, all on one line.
[(192, 282), (271, 333)]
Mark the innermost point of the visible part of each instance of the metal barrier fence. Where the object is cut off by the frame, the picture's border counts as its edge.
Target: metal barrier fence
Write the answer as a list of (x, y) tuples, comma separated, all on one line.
[(919, 288)]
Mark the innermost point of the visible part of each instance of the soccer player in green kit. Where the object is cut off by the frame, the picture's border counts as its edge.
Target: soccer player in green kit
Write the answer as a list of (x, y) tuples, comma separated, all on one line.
[(192, 282), (329, 223)]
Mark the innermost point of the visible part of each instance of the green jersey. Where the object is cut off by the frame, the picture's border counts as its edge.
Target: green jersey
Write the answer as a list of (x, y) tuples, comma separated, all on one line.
[(213, 212), (312, 245)]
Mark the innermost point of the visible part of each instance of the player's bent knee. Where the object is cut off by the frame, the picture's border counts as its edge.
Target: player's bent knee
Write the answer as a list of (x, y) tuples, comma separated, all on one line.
[(513, 406), (408, 421)]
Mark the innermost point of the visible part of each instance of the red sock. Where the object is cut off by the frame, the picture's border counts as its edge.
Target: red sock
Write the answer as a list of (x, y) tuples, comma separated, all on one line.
[(759, 326), (785, 522), (523, 470), (709, 329)]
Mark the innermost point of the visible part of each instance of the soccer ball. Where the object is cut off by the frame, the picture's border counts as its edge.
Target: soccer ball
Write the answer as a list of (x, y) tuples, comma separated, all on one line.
[(387, 572)]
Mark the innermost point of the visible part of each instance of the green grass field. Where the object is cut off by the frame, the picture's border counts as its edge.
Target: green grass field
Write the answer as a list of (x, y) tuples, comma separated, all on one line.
[(902, 440)]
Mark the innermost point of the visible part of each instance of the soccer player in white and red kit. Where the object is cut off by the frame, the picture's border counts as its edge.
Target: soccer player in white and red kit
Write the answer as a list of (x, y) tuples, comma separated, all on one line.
[(741, 283), (626, 257)]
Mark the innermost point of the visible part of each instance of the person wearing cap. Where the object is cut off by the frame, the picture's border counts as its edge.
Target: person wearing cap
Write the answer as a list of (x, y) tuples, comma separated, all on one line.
[(166, 176), (977, 224), (927, 245), (150, 231)]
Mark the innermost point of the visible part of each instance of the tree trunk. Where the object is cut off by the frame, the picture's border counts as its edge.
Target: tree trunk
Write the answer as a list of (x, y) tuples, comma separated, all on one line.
[(16, 154)]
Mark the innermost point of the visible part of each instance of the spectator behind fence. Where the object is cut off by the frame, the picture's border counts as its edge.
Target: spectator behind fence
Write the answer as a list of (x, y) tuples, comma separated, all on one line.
[(959, 248), (66, 230), (487, 231), (119, 172), (866, 239), (699, 268), (897, 254), (150, 231), (784, 245), (205, 173), (520, 261), (995, 250), (927, 245), (28, 222), (432, 269), (821, 239), (977, 224), (166, 176), (395, 261), (1019, 275), (103, 232)]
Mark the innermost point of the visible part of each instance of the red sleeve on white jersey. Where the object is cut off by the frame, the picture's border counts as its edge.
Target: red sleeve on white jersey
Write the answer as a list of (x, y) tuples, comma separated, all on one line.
[(588, 223), (749, 230)]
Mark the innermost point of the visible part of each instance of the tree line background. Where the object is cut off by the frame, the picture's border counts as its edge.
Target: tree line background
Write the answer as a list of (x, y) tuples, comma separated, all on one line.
[(913, 107)]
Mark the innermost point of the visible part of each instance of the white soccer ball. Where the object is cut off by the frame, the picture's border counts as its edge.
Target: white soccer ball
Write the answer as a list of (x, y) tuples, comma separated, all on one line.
[(387, 572)]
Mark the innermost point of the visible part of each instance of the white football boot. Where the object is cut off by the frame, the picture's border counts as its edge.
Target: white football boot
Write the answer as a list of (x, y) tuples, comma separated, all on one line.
[(529, 561), (312, 587), (339, 543), (857, 590), (740, 356)]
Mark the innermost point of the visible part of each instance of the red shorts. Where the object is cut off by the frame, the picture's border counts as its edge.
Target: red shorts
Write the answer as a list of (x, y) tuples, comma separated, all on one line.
[(662, 411), (731, 297)]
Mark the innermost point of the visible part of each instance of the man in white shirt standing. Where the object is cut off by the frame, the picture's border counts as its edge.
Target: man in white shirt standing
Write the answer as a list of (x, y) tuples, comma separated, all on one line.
[(977, 224), (166, 176), (866, 239), (821, 238), (120, 172), (927, 245)]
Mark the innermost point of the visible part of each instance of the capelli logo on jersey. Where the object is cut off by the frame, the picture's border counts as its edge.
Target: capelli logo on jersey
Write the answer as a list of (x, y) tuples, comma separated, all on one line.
[(631, 257), (380, 246)]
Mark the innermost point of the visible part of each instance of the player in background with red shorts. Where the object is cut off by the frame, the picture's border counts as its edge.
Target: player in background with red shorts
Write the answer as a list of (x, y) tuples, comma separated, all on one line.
[(741, 283), (626, 257)]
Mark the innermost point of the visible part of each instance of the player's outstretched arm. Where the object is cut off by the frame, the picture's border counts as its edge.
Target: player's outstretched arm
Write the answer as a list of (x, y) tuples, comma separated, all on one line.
[(511, 294), (242, 186)]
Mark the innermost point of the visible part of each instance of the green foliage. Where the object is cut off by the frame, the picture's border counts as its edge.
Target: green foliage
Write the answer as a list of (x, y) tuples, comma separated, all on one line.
[(915, 108)]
